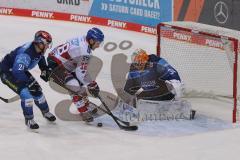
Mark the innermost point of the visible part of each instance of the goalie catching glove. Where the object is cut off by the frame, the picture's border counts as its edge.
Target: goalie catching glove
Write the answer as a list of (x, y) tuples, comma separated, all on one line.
[(93, 89)]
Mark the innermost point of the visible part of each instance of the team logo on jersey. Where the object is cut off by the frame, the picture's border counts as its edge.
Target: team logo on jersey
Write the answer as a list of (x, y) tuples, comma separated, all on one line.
[(148, 83)]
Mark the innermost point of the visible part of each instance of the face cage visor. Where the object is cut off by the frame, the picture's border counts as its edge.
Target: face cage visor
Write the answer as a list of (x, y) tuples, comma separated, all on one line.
[(45, 42)]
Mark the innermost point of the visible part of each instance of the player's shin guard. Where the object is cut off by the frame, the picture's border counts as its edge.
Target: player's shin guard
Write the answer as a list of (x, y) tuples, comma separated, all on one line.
[(27, 107), (43, 106)]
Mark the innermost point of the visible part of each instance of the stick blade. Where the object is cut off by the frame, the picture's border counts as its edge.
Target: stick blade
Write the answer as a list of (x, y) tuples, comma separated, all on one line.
[(4, 100), (129, 128)]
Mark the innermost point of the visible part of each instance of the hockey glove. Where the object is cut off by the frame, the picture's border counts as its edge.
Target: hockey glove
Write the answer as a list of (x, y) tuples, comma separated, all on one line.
[(45, 74), (34, 88), (93, 89)]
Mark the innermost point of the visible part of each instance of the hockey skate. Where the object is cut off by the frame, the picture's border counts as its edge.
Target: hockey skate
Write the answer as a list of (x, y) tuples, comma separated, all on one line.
[(30, 123), (90, 114), (93, 109), (87, 116), (49, 116)]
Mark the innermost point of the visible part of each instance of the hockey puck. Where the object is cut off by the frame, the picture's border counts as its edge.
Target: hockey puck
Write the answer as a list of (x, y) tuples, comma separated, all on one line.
[(99, 124)]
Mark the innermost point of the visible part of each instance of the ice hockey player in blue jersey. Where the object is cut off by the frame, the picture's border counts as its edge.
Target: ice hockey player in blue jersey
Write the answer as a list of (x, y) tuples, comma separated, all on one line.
[(157, 79), (15, 74)]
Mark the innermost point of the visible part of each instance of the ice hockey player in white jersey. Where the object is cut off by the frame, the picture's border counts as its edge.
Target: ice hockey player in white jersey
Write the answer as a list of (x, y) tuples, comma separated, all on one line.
[(15, 74), (69, 63), (154, 82)]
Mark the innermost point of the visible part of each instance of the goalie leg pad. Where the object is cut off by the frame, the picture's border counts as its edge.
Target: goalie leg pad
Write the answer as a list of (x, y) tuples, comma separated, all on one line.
[(164, 110), (126, 112)]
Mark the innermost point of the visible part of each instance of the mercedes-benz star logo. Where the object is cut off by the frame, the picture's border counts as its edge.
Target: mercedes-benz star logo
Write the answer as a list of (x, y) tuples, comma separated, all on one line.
[(221, 12)]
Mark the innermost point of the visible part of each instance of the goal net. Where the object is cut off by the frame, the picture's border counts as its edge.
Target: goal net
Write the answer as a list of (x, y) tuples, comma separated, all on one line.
[(206, 58)]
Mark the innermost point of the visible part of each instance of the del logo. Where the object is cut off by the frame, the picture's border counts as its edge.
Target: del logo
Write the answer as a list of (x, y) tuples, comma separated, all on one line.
[(42, 14), (6, 11), (148, 83)]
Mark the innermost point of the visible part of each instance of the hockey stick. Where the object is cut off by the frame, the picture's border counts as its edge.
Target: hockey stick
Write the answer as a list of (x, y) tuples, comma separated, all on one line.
[(116, 119), (4, 100), (127, 128), (124, 122), (15, 98), (10, 100)]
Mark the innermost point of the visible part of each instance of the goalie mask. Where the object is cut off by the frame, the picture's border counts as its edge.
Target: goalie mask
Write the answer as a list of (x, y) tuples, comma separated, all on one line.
[(139, 58)]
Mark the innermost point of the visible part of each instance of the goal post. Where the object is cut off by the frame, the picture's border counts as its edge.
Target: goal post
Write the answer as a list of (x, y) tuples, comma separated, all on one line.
[(206, 61)]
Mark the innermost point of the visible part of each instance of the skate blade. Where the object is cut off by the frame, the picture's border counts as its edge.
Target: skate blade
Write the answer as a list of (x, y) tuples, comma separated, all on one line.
[(33, 130)]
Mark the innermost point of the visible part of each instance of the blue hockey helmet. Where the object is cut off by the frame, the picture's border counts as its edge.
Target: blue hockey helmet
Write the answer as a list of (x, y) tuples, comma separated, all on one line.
[(95, 34), (43, 37)]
